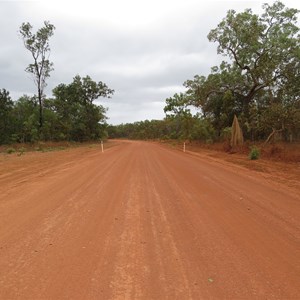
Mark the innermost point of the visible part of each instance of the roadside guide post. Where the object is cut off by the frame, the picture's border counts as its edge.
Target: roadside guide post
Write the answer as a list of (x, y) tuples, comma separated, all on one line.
[(102, 147), (183, 146)]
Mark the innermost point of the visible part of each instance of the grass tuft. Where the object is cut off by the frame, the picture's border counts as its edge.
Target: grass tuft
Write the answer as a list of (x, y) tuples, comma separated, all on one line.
[(254, 153), (10, 150)]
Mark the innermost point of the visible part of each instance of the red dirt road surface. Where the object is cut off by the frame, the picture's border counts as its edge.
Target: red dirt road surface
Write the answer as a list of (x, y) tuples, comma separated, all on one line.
[(143, 221)]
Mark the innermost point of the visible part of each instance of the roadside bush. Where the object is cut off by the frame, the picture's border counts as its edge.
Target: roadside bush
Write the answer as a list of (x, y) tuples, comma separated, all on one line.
[(21, 151), (40, 146), (10, 150), (254, 153)]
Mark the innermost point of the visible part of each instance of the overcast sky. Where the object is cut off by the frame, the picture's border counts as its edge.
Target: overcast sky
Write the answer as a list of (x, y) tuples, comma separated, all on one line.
[(142, 49)]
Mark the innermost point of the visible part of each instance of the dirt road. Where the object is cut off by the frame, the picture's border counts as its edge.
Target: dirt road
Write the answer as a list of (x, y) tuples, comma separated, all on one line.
[(142, 221)]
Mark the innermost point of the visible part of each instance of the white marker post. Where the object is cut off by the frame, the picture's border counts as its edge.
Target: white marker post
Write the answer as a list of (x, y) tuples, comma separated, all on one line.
[(183, 146), (102, 147)]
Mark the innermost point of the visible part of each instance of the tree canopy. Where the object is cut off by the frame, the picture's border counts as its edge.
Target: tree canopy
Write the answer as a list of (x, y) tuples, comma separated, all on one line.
[(79, 117), (259, 80), (71, 114), (262, 49)]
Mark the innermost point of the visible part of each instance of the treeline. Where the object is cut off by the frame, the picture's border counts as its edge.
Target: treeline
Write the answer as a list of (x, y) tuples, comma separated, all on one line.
[(259, 83), (169, 128), (70, 115)]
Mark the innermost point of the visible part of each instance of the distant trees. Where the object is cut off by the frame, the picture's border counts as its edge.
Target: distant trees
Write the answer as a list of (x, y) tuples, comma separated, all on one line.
[(169, 128), (38, 45)]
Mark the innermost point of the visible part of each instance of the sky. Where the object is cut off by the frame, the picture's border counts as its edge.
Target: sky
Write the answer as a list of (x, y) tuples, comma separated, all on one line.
[(144, 50)]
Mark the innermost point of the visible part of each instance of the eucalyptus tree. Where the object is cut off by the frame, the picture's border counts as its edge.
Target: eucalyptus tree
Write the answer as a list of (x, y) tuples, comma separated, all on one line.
[(262, 47), (38, 45)]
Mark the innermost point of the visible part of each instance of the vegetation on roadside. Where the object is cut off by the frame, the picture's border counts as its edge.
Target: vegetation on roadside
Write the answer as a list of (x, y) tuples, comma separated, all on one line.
[(254, 153), (259, 82), (44, 147), (10, 150)]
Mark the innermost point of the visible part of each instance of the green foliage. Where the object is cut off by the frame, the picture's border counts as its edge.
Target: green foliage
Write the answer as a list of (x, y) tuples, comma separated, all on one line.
[(203, 130), (6, 119), (171, 127), (10, 150), (25, 114), (260, 81), (70, 115), (38, 45), (254, 153), (21, 151), (260, 47), (177, 105), (177, 108), (76, 116), (226, 134)]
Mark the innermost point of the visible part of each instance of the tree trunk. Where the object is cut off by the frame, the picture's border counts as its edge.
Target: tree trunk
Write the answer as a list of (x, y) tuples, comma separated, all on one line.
[(40, 96), (271, 135)]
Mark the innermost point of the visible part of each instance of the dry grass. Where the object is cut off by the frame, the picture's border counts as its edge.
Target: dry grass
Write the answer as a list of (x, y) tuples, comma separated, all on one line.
[(49, 146), (278, 162), (282, 152), (285, 152)]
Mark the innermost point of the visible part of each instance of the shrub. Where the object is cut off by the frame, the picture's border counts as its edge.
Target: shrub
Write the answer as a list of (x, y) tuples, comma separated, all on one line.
[(10, 150), (40, 146), (21, 151), (254, 153)]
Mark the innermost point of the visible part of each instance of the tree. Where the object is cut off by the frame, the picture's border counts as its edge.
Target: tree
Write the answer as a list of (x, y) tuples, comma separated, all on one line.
[(262, 71), (6, 107), (26, 122), (78, 116), (178, 107), (215, 96), (38, 45), (261, 47)]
